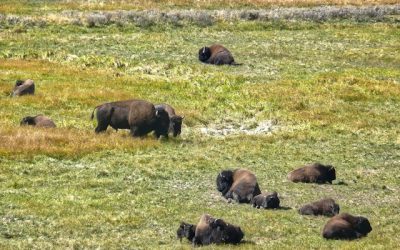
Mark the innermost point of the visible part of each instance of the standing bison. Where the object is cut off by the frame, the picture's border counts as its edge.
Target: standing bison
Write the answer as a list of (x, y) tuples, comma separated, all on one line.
[(216, 54), (26, 87), (175, 121), (139, 116)]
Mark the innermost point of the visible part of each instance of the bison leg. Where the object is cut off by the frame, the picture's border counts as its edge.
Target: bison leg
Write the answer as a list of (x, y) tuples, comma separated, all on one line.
[(134, 131), (100, 128)]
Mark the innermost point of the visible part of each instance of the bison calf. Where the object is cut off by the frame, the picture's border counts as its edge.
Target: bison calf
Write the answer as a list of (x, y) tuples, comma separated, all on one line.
[(266, 200), (214, 231), (216, 54), (175, 121), (240, 185), (26, 87), (346, 226), (326, 207), (316, 173), (38, 121)]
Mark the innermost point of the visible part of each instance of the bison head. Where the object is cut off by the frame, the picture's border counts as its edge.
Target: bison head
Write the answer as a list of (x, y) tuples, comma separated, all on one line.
[(334, 209), (186, 230), (29, 120), (331, 174), (362, 226), (19, 83), (224, 181), (271, 201), (176, 124), (204, 54)]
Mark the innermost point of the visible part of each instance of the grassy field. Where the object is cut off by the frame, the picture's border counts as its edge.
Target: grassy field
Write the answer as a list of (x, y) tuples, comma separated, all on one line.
[(41, 6), (330, 91)]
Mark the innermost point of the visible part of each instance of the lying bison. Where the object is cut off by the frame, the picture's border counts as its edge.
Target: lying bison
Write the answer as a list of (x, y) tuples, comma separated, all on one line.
[(347, 227), (175, 121), (26, 87), (139, 116), (216, 54), (38, 121), (240, 185), (215, 231), (326, 207), (316, 173), (266, 200)]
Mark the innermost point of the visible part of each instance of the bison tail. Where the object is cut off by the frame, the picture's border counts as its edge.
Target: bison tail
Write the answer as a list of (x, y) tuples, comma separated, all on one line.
[(92, 116)]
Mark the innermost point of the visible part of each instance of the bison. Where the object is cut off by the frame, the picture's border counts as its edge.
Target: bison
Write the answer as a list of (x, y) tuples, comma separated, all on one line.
[(346, 226), (139, 116), (266, 200), (26, 87), (38, 121), (175, 121), (315, 172), (326, 207), (214, 231), (240, 185), (216, 54)]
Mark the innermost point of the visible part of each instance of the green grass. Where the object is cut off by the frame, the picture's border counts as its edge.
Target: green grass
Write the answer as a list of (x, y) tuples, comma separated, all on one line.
[(332, 87)]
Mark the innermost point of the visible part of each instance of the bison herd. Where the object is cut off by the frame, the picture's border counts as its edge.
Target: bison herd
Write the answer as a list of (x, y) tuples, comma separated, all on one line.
[(141, 117), (241, 186)]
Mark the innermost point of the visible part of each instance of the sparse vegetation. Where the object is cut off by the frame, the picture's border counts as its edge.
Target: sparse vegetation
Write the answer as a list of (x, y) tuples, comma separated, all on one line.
[(329, 88)]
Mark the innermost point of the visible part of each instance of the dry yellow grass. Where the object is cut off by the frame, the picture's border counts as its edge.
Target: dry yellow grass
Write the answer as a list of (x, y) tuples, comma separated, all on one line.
[(23, 141)]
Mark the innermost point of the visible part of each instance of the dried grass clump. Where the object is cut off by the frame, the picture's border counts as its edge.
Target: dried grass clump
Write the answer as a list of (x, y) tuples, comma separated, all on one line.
[(64, 141)]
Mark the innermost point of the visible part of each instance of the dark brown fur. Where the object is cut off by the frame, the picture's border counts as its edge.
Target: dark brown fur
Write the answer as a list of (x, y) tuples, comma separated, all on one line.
[(315, 172), (38, 121), (346, 226), (216, 54), (326, 207), (137, 115), (214, 231), (175, 121), (26, 87), (186, 230), (240, 185), (266, 200)]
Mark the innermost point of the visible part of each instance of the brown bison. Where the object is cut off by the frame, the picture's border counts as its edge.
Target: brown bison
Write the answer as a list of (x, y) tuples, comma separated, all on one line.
[(139, 116), (214, 231), (216, 54), (26, 87), (315, 172), (266, 200), (326, 207), (240, 185), (346, 226), (175, 121), (38, 121)]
